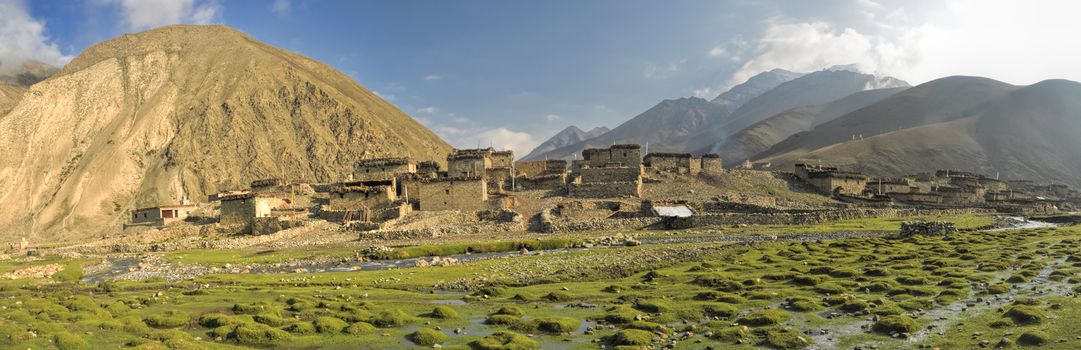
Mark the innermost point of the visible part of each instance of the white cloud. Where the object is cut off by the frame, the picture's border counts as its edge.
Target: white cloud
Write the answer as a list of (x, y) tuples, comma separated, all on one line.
[(1004, 40), (506, 139), (22, 38), (706, 93), (428, 110), (281, 7), (551, 117), (718, 52), (433, 77), (146, 14), (663, 71)]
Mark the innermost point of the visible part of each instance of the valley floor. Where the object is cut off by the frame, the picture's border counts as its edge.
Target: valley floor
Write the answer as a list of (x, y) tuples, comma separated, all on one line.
[(842, 285)]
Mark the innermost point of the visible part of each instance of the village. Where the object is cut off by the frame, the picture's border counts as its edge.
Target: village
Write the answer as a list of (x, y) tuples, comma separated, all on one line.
[(486, 190)]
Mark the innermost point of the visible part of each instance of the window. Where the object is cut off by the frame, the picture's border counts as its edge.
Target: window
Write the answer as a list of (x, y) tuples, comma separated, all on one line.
[(447, 190)]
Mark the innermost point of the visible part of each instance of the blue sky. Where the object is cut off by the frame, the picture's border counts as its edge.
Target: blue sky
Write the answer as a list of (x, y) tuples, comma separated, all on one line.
[(511, 73)]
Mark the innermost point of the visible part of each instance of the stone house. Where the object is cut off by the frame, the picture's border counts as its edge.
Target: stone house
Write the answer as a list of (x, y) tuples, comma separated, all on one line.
[(682, 163), (244, 209), (917, 198), (265, 185), (959, 195), (428, 169), (161, 215), (711, 163), (358, 197), (545, 182), (540, 167), (502, 159), (454, 193), (884, 185), (607, 182), (848, 183), (469, 162), (629, 155), (384, 168)]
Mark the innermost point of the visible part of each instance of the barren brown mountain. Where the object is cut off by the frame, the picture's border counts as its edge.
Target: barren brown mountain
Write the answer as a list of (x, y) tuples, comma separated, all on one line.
[(179, 112)]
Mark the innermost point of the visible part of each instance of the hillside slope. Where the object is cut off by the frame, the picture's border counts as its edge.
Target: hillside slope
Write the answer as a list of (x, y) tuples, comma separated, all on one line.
[(971, 124), (179, 112), (569, 136), (808, 90), (764, 134), (666, 124)]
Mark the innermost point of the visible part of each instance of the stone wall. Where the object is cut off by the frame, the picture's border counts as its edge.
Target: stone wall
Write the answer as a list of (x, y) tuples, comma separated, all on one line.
[(468, 166), (540, 167), (542, 182), (828, 184), (599, 175), (502, 159), (362, 197), (627, 155), (808, 218), (711, 163), (455, 193), (242, 210), (605, 189)]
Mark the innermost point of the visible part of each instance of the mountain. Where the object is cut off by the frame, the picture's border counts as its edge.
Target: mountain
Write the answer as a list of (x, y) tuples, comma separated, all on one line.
[(753, 87), (668, 122), (13, 85), (760, 136), (569, 136), (807, 90), (937, 101), (962, 123), (176, 113)]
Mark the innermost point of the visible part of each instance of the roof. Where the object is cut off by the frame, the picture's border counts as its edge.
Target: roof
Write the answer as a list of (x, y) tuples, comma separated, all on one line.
[(359, 189), (169, 206), (678, 211), (385, 161), (668, 155), (711, 155), (266, 182), (452, 179), (627, 146)]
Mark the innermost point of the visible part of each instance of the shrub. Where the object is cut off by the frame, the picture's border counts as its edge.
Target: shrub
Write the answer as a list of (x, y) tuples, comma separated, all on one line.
[(502, 320), (895, 324), (302, 328), (216, 320), (392, 318), (721, 310), (786, 338), (804, 280), (632, 337), (829, 288), (427, 337), (328, 324), (843, 273), (70, 341), (912, 280), (505, 341), (444, 312), (510, 310), (13, 333), (721, 282), (621, 314), (134, 325), (168, 319), (553, 324), (253, 308), (652, 306), (270, 319), (1001, 324), (257, 333), (1017, 278), (804, 304), (359, 328), (854, 305), (1033, 338), (764, 318), (558, 296), (1025, 315), (721, 297)]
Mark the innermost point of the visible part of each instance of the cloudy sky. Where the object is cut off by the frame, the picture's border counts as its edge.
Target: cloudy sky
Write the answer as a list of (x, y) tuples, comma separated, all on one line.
[(511, 73)]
